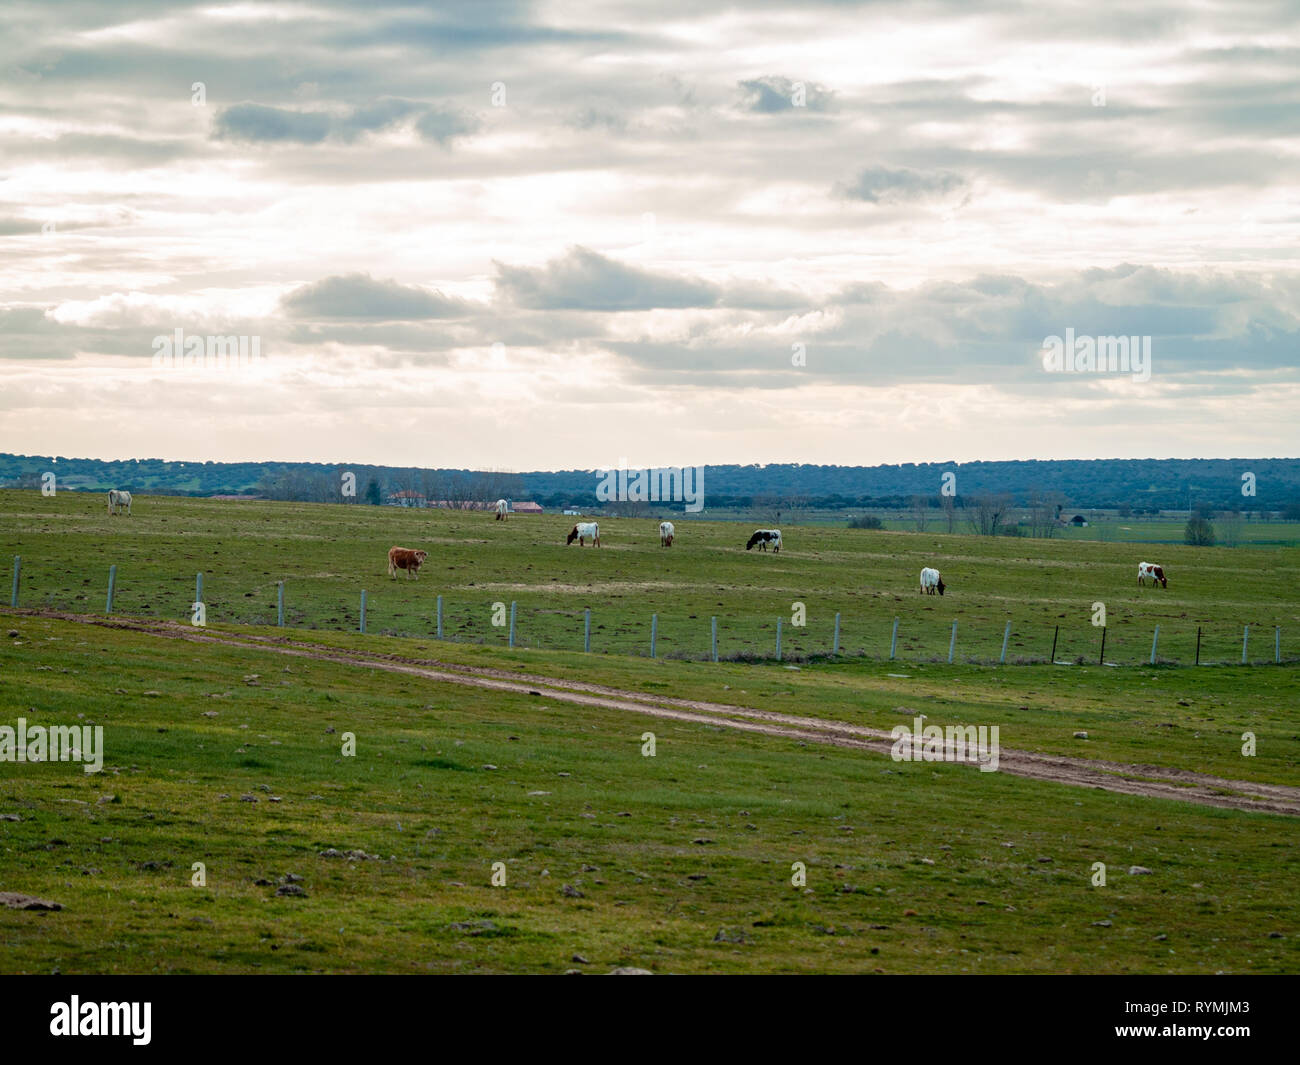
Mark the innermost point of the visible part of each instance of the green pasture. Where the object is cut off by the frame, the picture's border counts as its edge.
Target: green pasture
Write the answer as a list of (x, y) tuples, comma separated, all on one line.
[(676, 863)]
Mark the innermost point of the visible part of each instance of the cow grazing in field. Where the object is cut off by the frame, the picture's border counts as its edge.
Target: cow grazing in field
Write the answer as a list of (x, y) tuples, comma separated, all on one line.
[(503, 508), (931, 582), (584, 531), (1156, 573), (405, 558), (665, 534), (763, 537), (117, 500)]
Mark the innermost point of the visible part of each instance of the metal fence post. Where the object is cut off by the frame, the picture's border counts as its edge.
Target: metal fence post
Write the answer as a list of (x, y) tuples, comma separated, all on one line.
[(654, 632), (586, 630), (778, 639), (18, 568), (279, 603), (1101, 657), (835, 648), (1055, 634), (952, 644), (363, 610), (893, 640), (1245, 637), (1277, 644), (112, 580), (1198, 645), (512, 623), (1155, 639), (198, 587), (1005, 637), (440, 617), (714, 628)]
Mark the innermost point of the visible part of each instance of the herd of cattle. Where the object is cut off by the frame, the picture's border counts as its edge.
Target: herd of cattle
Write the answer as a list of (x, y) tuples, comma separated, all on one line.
[(410, 560)]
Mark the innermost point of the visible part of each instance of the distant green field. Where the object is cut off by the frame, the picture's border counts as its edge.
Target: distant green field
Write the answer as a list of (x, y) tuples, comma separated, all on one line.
[(327, 554), (677, 863)]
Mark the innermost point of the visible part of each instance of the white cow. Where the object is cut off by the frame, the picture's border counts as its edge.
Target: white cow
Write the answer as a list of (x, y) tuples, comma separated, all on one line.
[(931, 582), (665, 534), (503, 508), (117, 500), (584, 531)]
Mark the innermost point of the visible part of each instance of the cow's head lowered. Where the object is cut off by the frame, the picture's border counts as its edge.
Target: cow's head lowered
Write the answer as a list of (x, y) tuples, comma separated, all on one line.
[(757, 538), (1158, 572), (573, 535), (940, 586)]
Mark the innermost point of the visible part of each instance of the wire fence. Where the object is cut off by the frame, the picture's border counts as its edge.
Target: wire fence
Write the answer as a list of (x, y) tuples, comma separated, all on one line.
[(605, 627)]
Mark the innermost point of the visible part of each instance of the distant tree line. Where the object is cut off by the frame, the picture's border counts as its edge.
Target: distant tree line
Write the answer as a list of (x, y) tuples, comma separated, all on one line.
[(987, 493)]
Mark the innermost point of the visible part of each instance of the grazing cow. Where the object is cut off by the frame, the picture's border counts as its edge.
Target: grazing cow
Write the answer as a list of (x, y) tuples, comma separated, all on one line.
[(117, 500), (931, 582), (763, 537), (665, 534), (503, 508), (405, 558), (584, 531), (1156, 573)]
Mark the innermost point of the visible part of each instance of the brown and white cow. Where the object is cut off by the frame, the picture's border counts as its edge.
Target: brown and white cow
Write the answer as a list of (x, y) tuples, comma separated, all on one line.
[(405, 558), (1156, 573)]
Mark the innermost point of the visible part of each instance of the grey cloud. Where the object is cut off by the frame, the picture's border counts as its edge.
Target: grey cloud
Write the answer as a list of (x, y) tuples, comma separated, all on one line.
[(884, 185), (443, 127), (585, 280), (359, 296), (259, 123), (771, 94), (256, 122)]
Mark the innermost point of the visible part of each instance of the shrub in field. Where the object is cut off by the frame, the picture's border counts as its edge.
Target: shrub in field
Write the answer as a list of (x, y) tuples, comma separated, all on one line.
[(866, 521), (1199, 532)]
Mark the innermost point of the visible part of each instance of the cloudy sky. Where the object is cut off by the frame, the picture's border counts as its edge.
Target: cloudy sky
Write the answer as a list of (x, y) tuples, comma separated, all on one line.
[(565, 234)]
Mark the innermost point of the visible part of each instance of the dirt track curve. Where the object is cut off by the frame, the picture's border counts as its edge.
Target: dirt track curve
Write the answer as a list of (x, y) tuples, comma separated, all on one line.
[(1145, 780)]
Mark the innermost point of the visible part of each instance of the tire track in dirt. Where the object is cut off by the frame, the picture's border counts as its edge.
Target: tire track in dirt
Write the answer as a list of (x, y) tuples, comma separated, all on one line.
[(1146, 781)]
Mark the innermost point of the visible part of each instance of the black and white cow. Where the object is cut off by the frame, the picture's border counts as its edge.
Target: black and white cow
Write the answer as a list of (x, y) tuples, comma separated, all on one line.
[(763, 537)]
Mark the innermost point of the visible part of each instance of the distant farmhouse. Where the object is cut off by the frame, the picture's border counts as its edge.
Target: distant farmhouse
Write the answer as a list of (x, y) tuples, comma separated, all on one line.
[(1079, 521)]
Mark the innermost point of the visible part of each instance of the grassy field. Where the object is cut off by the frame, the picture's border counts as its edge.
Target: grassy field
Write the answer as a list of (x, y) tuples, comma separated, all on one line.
[(327, 555), (680, 862)]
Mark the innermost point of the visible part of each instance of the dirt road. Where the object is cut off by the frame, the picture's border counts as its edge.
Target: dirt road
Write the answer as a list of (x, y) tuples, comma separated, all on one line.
[(1144, 780)]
